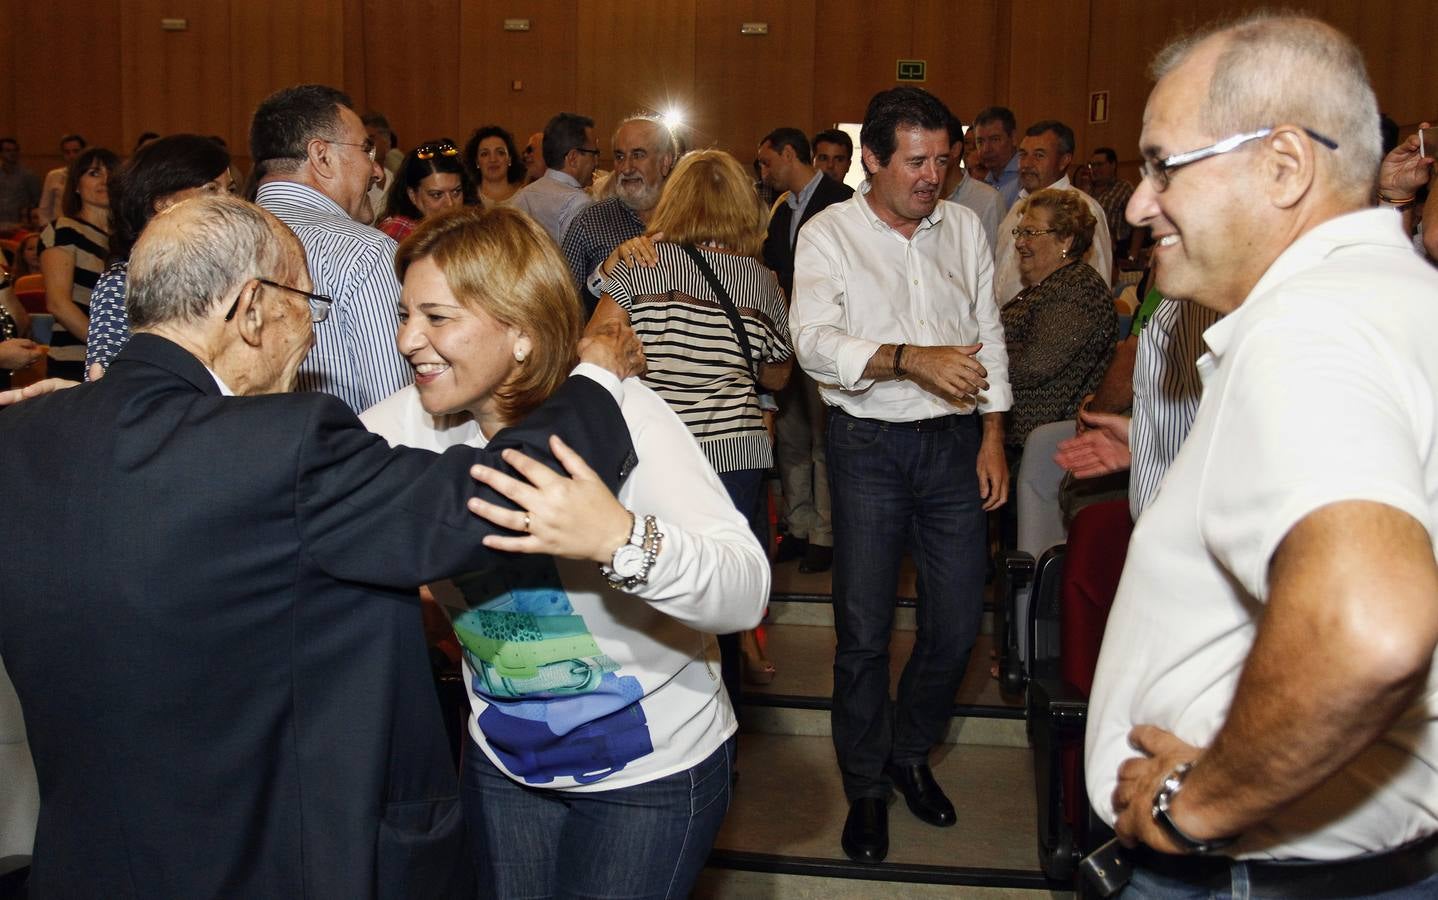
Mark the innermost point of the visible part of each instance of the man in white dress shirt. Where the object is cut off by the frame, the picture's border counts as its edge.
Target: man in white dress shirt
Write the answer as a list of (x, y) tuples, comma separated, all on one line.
[(893, 316), (1263, 714)]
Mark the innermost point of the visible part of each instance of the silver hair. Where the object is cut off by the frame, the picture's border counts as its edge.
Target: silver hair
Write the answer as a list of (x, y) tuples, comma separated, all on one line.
[(192, 256), (663, 140), (1285, 69)]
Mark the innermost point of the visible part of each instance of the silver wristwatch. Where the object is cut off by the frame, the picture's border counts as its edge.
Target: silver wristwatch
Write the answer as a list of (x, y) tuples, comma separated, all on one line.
[(633, 560), (1161, 802)]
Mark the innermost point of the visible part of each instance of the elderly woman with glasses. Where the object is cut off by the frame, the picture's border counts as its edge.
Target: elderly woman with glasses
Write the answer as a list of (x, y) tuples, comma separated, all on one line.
[(1061, 328), (431, 179), (600, 742)]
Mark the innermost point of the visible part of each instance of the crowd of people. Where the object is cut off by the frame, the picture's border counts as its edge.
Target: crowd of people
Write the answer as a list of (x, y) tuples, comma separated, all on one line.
[(544, 399)]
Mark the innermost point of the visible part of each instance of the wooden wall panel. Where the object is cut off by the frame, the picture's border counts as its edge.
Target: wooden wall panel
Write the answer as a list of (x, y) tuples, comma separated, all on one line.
[(8, 40), (445, 66), (755, 83), (857, 45), (1048, 65), (67, 73), (638, 56), (174, 81), (277, 43), (544, 60), (410, 59), (957, 40), (1396, 39)]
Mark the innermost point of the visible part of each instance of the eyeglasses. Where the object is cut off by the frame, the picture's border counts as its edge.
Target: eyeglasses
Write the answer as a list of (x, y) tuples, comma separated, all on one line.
[(587, 151), (1159, 171), (319, 303), (1029, 234), (430, 151), (367, 147)]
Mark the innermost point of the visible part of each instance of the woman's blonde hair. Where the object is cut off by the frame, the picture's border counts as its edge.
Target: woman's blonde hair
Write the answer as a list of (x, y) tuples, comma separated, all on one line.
[(500, 261), (1069, 216), (710, 198)]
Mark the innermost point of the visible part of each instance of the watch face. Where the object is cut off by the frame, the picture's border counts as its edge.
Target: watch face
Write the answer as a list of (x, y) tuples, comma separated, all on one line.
[(628, 560)]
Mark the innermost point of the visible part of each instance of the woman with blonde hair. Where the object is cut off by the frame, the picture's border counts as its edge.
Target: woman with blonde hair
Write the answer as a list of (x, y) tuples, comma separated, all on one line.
[(599, 744), (714, 325)]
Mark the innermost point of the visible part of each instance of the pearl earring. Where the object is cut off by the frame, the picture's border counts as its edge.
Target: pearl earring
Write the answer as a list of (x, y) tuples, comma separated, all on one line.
[(519, 356)]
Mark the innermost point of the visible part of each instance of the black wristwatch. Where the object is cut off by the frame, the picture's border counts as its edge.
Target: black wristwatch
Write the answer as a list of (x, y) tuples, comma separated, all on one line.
[(1161, 802)]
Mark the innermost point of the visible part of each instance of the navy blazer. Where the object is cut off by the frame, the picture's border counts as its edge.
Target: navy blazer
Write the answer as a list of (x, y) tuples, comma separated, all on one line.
[(209, 612), (778, 251)]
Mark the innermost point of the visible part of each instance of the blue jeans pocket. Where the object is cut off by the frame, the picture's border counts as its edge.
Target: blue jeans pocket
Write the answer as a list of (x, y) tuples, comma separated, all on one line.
[(848, 433)]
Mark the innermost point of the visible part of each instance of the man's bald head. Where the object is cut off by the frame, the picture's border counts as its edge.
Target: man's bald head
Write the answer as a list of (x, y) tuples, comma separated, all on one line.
[(1270, 70), (197, 253)]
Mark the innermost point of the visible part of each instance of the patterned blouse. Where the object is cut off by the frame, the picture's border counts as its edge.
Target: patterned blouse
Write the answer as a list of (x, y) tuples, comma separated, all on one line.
[(1060, 335), (109, 324)]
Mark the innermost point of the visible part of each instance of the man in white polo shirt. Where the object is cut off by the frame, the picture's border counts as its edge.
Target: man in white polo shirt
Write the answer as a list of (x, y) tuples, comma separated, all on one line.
[(1263, 716)]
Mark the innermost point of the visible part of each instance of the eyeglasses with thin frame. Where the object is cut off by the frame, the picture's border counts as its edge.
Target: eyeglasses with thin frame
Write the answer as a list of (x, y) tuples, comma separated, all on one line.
[(1029, 234), (587, 151), (430, 151), (1159, 171), (319, 303), (368, 147)]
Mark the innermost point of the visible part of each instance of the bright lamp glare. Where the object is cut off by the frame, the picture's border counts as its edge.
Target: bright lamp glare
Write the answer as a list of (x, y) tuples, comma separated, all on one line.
[(673, 118)]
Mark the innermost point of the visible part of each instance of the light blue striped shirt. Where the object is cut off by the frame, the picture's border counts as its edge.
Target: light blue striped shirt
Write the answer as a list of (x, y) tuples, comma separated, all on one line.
[(354, 356)]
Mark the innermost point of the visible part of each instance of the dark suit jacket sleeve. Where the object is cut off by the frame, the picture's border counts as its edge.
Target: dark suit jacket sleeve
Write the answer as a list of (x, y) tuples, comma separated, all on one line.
[(397, 517)]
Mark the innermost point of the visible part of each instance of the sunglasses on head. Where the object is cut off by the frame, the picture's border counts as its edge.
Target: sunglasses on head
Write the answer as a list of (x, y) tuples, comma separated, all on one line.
[(430, 151)]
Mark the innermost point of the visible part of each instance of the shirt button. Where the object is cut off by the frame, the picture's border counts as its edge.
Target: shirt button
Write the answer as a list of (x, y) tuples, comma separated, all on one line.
[(916, 281)]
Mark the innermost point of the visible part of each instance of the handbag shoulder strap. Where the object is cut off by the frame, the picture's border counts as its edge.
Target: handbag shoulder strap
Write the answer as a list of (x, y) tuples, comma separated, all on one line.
[(736, 320)]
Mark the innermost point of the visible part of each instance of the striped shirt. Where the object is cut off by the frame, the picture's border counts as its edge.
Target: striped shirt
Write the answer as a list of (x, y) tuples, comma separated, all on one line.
[(88, 244), (695, 361), (1166, 391), (354, 357)]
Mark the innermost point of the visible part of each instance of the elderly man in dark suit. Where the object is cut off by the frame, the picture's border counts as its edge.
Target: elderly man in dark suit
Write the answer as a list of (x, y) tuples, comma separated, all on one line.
[(210, 612), (808, 534)]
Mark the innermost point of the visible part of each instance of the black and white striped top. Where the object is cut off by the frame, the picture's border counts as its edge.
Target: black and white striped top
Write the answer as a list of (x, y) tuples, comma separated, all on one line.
[(88, 244), (354, 356), (695, 361), (1166, 391)]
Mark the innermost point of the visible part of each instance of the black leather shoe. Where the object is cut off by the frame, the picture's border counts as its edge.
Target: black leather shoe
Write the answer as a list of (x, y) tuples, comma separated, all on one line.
[(923, 793), (866, 831), (816, 559), (790, 547)]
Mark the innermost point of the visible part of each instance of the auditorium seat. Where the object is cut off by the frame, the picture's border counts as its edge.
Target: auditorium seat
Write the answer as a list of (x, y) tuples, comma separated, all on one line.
[(30, 291), (1072, 587)]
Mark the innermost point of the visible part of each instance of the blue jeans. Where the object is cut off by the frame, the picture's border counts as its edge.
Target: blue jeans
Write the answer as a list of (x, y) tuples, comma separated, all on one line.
[(1149, 885), (745, 488), (895, 487), (645, 841)]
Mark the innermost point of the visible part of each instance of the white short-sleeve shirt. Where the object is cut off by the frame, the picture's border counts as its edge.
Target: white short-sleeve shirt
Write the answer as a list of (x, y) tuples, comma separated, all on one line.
[(1321, 387)]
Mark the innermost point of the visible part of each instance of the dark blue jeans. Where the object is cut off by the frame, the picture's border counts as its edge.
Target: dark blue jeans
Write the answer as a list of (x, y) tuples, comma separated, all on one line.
[(895, 487), (646, 841), (744, 487)]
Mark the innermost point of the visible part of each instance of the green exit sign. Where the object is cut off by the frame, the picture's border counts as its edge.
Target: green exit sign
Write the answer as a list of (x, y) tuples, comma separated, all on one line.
[(913, 70)]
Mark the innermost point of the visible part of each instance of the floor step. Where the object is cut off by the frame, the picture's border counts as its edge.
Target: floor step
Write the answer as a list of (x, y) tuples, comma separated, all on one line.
[(798, 701), (818, 609), (782, 841)]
